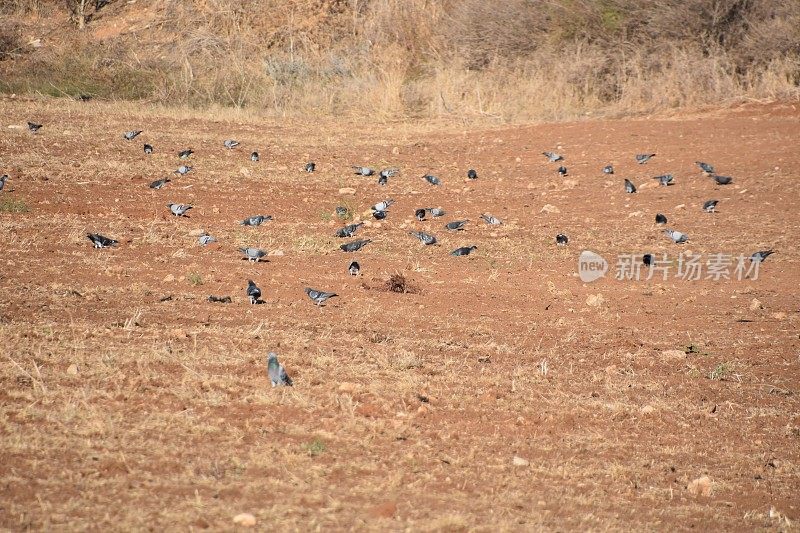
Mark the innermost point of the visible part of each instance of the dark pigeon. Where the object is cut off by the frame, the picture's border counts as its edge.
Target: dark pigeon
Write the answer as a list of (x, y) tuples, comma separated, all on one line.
[(665, 179), (562, 171), (148, 148), (354, 246), (710, 206), (433, 180), (630, 188), (419, 213), (471, 174), (644, 158), (254, 157), (456, 225), (722, 180), (159, 183), (34, 127), (349, 230), (647, 259), (101, 241), (255, 220), (760, 257), (354, 268), (253, 292), (562, 239), (310, 166), (608, 169), (424, 238), (464, 250), (185, 154), (660, 219), (705, 167)]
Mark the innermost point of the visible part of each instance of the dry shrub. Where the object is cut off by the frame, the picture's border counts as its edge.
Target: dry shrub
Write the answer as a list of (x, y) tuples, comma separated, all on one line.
[(397, 282)]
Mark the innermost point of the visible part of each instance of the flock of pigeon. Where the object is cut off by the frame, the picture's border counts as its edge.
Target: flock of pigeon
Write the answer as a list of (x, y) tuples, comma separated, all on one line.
[(276, 371)]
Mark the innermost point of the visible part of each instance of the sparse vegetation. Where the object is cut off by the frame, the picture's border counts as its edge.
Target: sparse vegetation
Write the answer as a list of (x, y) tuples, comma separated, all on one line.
[(12, 205), (194, 279), (315, 447)]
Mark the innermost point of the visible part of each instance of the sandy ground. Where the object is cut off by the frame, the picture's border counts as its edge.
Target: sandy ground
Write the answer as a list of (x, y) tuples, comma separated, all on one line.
[(499, 393)]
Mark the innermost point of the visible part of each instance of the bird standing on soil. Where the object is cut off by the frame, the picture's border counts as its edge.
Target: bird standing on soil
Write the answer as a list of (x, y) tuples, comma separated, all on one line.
[(100, 241), (148, 149), (277, 374), (255, 220), (705, 167), (253, 292), (630, 188), (647, 259), (471, 174), (760, 257), (492, 221), (253, 255), (3, 180), (389, 172), (435, 211), (354, 246), (710, 206), (419, 214), (363, 171), (456, 225), (608, 169), (157, 184), (553, 157), (310, 166), (185, 154), (424, 238), (230, 144), (131, 135), (660, 219), (644, 158), (562, 171), (206, 239), (383, 206), (722, 180), (433, 180), (254, 157), (562, 239), (179, 210), (676, 236), (34, 127), (379, 215), (319, 297), (349, 230), (354, 268), (664, 180), (183, 170), (464, 250)]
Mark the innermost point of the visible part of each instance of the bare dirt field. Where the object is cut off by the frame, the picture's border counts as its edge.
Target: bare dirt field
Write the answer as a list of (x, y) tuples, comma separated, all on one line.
[(499, 392)]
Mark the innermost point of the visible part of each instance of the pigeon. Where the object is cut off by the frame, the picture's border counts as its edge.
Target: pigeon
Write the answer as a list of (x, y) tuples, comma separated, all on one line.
[(179, 210), (433, 180), (183, 170), (379, 215), (660, 219), (492, 221), (363, 171), (435, 211), (424, 238), (710, 206), (159, 183), (253, 255), (464, 250), (310, 166), (185, 154), (254, 157), (676, 236), (319, 297), (220, 299), (354, 246), (253, 292), (562, 239), (644, 158), (3, 180), (341, 211), (471, 174), (354, 268), (255, 220), (131, 135), (553, 157), (101, 241), (630, 188), (148, 148), (277, 374), (705, 167), (383, 206), (562, 171), (419, 213), (84, 97), (389, 172), (665, 179), (349, 230), (722, 180), (34, 127), (608, 169), (760, 257), (230, 144), (456, 225), (205, 239), (647, 259), (383, 180)]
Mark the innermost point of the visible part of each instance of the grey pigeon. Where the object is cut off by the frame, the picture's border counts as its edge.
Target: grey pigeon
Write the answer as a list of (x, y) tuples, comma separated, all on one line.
[(553, 157), (456, 225), (34, 127), (253, 292), (349, 230), (255, 220), (433, 180), (354, 268), (3, 180), (489, 219), (710, 206), (705, 167), (354, 246), (179, 210), (319, 297), (608, 169), (383, 180), (230, 144), (419, 213), (644, 158), (341, 211), (424, 238), (363, 171), (760, 257), (676, 236), (723, 180), (253, 255), (206, 239), (630, 188), (562, 239), (464, 250), (660, 219), (310, 166), (131, 135), (184, 154), (665, 179), (379, 215), (148, 148), (100, 241), (383, 206), (159, 183), (389, 172), (471, 174), (435, 211), (183, 170), (562, 171), (277, 374), (254, 157)]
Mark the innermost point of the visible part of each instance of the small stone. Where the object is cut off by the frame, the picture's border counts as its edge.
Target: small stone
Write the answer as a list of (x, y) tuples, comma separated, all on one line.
[(197, 232), (215, 210), (244, 520), (635, 214), (169, 278), (755, 305), (550, 209), (395, 150), (680, 206), (700, 486), (244, 171), (780, 315), (347, 387), (647, 409), (673, 354), (595, 300), (519, 461), (275, 253), (347, 190), (72, 370)]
